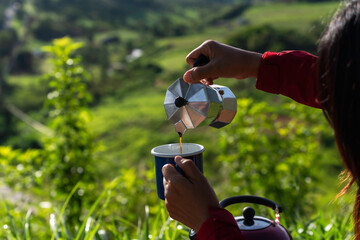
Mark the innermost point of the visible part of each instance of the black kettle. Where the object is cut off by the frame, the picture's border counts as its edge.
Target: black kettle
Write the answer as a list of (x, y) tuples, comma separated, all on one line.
[(255, 227)]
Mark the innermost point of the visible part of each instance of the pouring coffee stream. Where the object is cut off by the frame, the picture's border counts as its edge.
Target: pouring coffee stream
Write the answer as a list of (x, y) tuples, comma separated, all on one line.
[(180, 141)]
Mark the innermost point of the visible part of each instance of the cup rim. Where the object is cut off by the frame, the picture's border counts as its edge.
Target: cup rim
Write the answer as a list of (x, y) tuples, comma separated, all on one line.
[(154, 152)]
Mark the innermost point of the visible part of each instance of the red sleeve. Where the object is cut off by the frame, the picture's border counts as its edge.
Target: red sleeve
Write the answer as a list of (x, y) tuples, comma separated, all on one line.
[(291, 73), (220, 226)]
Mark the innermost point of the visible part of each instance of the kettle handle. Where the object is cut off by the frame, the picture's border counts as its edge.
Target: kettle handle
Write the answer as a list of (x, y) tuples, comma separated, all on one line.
[(250, 199)]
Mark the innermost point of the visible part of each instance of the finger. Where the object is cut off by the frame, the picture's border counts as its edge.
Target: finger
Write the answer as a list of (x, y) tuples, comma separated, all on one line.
[(195, 54), (165, 183), (195, 75), (173, 176), (189, 168), (167, 188), (207, 81), (169, 171), (204, 49), (173, 181), (192, 56)]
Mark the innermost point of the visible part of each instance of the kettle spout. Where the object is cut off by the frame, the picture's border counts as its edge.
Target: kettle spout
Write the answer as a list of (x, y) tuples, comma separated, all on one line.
[(180, 127)]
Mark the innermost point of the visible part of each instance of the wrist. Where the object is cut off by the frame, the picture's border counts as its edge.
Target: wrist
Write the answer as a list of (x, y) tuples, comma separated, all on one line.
[(255, 61)]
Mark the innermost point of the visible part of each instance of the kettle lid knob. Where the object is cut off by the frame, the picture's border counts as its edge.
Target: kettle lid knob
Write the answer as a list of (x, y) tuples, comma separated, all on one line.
[(248, 214)]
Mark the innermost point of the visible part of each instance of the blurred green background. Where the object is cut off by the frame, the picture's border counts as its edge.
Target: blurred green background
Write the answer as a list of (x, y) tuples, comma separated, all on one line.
[(82, 85)]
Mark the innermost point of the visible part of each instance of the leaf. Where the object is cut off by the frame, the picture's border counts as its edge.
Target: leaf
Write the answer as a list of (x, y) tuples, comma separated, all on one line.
[(64, 207), (27, 228), (106, 191), (61, 42), (13, 227), (48, 49)]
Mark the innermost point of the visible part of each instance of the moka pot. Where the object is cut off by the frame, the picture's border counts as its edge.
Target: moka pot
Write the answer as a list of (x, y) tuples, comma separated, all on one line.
[(189, 106)]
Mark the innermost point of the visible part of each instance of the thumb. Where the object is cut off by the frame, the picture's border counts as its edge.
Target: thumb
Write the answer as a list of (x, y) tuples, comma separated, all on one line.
[(196, 74)]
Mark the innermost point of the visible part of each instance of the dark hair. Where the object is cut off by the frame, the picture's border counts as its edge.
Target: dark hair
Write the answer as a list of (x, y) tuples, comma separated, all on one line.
[(339, 84)]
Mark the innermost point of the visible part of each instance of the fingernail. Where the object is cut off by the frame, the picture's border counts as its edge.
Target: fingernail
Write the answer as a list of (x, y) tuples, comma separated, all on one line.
[(164, 167), (188, 77), (177, 159)]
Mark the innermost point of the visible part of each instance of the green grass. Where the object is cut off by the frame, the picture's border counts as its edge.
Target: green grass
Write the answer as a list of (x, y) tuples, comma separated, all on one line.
[(298, 16), (20, 224), (155, 224)]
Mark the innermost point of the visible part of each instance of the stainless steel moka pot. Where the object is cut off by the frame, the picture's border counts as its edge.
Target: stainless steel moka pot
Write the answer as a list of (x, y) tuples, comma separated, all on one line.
[(191, 105)]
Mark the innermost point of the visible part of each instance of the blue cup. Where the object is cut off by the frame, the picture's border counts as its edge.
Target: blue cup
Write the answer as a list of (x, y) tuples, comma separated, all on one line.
[(165, 154)]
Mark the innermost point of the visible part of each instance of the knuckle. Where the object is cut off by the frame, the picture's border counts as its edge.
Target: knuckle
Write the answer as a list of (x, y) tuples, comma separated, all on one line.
[(166, 168), (167, 191), (187, 163), (172, 184), (169, 195), (168, 185), (210, 42)]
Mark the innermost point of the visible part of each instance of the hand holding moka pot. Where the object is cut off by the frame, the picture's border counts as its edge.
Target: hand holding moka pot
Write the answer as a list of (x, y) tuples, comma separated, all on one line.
[(191, 105)]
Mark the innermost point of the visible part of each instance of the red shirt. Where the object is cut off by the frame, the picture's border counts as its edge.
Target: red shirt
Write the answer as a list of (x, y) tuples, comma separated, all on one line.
[(293, 74)]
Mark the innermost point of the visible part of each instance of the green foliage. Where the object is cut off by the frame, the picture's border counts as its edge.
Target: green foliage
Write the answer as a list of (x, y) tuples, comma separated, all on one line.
[(70, 151), (272, 154), (232, 12), (8, 38), (297, 16), (24, 63), (95, 224), (264, 38), (338, 228), (24, 165), (47, 29), (94, 55), (20, 225)]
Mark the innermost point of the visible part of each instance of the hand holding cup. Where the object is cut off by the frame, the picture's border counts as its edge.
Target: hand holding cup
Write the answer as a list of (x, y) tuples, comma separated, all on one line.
[(188, 196)]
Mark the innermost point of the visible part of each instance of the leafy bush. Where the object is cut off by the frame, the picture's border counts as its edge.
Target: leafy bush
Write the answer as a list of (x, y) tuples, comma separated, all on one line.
[(24, 165), (70, 151)]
